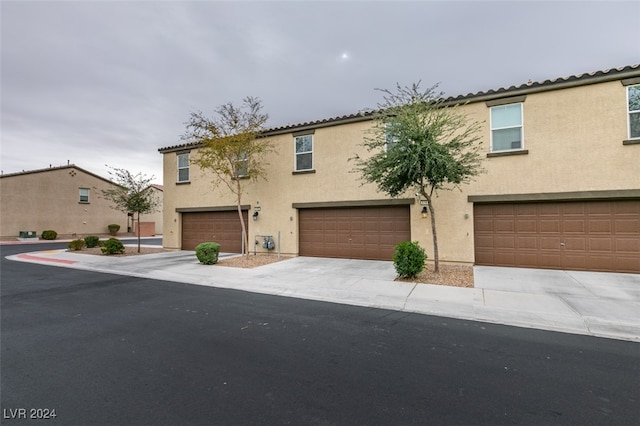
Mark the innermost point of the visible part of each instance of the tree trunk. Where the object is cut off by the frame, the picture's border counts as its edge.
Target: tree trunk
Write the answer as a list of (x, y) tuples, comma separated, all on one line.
[(139, 232), (245, 237), (435, 235)]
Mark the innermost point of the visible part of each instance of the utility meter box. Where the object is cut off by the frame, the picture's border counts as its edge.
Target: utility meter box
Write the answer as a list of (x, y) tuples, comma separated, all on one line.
[(27, 234)]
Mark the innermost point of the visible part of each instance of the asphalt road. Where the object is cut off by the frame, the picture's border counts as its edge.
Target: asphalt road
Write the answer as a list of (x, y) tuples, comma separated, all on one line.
[(103, 349)]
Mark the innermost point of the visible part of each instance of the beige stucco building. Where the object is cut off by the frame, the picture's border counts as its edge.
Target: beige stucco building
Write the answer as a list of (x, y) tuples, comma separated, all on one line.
[(561, 187), (65, 199)]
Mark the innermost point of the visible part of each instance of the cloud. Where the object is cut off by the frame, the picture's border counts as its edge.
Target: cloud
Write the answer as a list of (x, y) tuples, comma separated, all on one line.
[(111, 82)]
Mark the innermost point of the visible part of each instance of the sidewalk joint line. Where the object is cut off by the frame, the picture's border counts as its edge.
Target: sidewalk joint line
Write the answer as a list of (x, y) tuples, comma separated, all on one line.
[(406, 299)]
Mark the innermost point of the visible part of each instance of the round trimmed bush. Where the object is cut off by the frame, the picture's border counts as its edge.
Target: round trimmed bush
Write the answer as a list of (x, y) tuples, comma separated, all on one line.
[(76, 245), (112, 246), (49, 234), (207, 253), (408, 259), (92, 241)]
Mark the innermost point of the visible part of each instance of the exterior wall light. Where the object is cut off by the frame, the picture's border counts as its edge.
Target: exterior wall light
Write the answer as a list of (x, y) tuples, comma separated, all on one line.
[(424, 212), (255, 215)]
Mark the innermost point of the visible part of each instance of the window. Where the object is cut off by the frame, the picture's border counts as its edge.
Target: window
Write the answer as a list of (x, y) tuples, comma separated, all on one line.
[(392, 139), (506, 127), (241, 166), (183, 167), (84, 195), (633, 104), (304, 152)]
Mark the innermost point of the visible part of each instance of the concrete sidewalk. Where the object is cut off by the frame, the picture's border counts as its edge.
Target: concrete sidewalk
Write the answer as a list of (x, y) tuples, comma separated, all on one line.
[(591, 303)]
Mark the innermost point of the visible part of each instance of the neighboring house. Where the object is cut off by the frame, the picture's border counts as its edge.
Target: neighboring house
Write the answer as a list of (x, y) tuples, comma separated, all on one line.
[(152, 222), (561, 188), (66, 199)]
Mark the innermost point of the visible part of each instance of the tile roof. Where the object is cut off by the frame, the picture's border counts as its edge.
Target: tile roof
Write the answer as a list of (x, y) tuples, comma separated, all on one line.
[(529, 87)]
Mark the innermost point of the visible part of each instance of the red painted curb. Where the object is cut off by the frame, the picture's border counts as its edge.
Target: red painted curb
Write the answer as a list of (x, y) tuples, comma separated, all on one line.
[(46, 259)]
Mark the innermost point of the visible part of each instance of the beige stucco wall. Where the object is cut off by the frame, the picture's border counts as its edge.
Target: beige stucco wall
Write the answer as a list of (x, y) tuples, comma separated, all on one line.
[(50, 200), (573, 137)]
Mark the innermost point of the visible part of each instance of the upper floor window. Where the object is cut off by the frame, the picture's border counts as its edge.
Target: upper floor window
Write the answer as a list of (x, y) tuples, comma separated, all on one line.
[(392, 138), (183, 167), (633, 106), (506, 127), (304, 153), (241, 166), (84, 195)]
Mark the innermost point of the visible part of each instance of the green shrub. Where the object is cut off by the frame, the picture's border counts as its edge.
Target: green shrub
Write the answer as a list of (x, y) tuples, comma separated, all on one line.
[(112, 246), (49, 234), (207, 253), (113, 228), (76, 245), (408, 259), (92, 241)]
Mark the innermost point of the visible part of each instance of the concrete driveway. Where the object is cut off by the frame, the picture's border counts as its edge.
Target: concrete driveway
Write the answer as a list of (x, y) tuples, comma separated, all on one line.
[(592, 303)]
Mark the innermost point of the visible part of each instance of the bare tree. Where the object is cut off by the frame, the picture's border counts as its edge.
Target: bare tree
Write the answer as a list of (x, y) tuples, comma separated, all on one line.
[(230, 147)]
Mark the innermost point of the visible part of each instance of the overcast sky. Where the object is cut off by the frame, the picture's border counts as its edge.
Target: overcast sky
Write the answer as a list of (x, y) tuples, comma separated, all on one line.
[(110, 82)]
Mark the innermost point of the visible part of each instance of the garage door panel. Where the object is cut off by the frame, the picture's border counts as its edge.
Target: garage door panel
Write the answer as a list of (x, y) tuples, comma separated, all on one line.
[(574, 209), (599, 209), (575, 261), (627, 264), (526, 259), (358, 232), (548, 210), (549, 226), (601, 226), (575, 244), (504, 258), (526, 226), (549, 243), (551, 261), (627, 226), (505, 242), (601, 244), (628, 245), (589, 235), (627, 208), (527, 242), (484, 241), (577, 226), (222, 227), (600, 263)]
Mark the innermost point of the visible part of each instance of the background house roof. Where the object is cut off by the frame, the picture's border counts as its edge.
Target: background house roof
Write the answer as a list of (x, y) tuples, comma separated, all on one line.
[(51, 168)]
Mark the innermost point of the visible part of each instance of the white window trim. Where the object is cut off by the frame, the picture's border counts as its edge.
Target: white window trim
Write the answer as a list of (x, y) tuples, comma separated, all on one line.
[(178, 168), (80, 195), (244, 160), (387, 141), (629, 112), (296, 153), (521, 126)]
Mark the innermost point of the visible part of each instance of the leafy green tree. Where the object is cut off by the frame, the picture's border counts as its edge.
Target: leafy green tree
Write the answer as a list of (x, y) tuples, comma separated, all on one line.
[(422, 143), (230, 147), (132, 194)]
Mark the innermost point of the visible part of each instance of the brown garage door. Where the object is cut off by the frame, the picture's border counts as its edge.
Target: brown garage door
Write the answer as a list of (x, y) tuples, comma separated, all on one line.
[(223, 228), (353, 232), (590, 235)]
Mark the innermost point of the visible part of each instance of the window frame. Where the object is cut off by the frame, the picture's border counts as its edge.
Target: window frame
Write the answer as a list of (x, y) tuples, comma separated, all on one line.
[(181, 168), (630, 112), (80, 196), (296, 153), (390, 140), (237, 168), (520, 126)]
